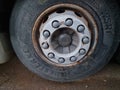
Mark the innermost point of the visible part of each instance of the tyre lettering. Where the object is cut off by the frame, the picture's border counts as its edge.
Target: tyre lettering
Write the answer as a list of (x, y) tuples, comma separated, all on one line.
[(108, 22)]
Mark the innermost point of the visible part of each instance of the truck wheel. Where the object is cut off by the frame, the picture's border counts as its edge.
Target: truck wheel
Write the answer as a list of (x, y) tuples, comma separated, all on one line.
[(65, 40)]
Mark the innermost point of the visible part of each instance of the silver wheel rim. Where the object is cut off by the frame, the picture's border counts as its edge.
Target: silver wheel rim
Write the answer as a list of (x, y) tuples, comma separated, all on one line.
[(64, 37), (69, 38)]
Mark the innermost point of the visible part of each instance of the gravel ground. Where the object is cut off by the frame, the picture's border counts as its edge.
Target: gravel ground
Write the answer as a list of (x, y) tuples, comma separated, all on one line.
[(14, 76)]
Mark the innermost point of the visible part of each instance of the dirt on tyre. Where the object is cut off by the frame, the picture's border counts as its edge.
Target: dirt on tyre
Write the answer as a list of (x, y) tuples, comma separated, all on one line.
[(65, 40)]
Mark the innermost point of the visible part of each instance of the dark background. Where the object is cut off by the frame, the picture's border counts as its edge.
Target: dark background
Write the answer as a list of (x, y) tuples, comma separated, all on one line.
[(5, 12)]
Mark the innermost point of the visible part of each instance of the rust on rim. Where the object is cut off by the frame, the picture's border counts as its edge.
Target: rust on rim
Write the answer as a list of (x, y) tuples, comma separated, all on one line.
[(84, 17)]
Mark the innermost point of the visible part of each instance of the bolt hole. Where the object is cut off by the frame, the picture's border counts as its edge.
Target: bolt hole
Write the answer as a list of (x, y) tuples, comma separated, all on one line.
[(60, 11), (78, 14), (45, 19)]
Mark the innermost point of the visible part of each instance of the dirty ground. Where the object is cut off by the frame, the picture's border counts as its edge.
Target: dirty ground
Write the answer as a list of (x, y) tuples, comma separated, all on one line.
[(14, 76)]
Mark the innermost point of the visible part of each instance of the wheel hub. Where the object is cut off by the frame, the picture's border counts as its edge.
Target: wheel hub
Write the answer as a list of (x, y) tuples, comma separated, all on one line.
[(64, 40)]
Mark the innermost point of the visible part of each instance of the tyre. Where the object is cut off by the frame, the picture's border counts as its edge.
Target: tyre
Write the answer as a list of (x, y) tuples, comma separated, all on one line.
[(118, 55), (65, 40)]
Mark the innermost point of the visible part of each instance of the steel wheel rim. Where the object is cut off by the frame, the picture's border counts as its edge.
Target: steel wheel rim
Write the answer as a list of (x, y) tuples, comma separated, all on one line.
[(65, 18)]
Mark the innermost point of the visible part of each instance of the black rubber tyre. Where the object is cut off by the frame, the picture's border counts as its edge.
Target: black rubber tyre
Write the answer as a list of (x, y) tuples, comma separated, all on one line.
[(117, 56), (25, 13)]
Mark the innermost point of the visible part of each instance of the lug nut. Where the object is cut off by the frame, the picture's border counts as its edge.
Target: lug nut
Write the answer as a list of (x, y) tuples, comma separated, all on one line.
[(51, 55), (46, 33), (73, 59), (55, 24), (61, 60), (45, 45), (82, 51), (81, 28), (85, 40), (69, 22)]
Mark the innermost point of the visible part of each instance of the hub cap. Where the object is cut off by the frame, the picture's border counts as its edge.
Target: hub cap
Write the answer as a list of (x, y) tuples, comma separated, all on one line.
[(64, 40), (64, 37)]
